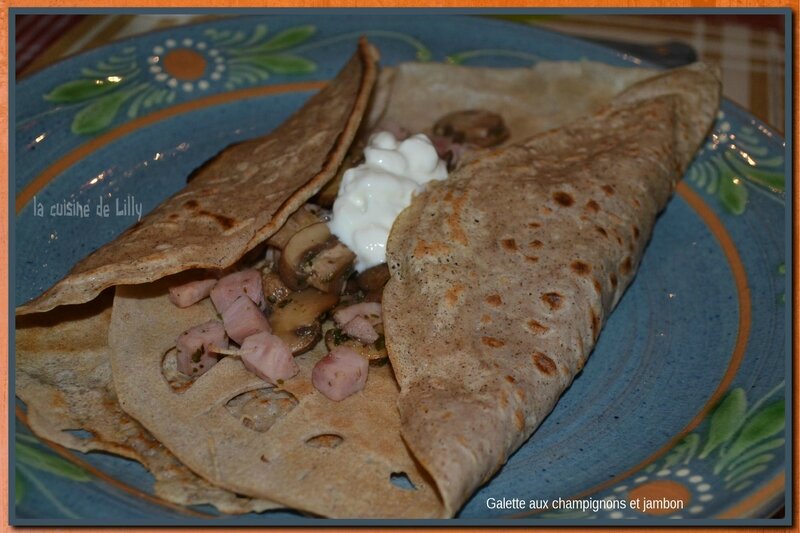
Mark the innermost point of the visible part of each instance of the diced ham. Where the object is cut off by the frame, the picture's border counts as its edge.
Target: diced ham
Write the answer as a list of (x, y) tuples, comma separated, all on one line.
[(360, 329), (369, 310), (242, 319), (194, 356), (268, 357), (341, 373), (234, 285), (191, 293)]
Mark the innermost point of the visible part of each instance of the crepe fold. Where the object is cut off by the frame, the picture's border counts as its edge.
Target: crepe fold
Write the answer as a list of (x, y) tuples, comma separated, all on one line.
[(236, 201), (503, 275)]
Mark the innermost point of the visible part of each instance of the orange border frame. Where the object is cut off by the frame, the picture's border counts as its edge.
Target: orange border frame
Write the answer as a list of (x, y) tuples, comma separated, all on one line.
[(4, 191)]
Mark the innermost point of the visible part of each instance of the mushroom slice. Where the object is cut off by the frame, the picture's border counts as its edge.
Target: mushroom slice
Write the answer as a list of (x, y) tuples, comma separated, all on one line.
[(373, 278), (473, 126), (302, 218), (275, 291), (329, 269), (296, 319), (301, 248), (374, 352)]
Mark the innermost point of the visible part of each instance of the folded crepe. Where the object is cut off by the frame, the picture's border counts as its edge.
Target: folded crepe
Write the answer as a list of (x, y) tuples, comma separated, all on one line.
[(350, 453), (236, 201), (503, 275)]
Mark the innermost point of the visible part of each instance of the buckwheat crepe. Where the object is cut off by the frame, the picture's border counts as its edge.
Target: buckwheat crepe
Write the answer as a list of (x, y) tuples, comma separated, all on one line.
[(235, 202), (503, 275)]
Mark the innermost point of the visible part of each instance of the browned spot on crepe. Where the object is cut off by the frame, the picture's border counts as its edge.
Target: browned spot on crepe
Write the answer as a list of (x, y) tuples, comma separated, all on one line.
[(453, 293), (553, 300), (222, 220), (592, 206), (519, 419), (494, 300), (531, 258), (537, 327), (635, 232), (486, 319), (454, 219), (503, 399), (563, 199), (580, 268), (430, 248), (601, 231), (534, 225), (511, 379), (544, 363), (595, 324), (536, 243), (491, 341), (626, 267), (597, 286), (613, 278), (509, 244), (608, 189)]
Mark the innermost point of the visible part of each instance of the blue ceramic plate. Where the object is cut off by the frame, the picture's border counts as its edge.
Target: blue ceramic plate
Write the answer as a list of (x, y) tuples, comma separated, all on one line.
[(683, 397)]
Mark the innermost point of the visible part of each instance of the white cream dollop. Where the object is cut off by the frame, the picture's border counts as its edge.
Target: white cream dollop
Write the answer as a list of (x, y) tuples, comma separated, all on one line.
[(374, 193)]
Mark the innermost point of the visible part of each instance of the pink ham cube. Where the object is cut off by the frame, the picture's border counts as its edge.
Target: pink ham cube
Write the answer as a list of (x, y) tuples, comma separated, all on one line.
[(191, 293), (341, 373), (369, 310), (195, 357), (360, 329), (268, 357), (232, 286), (242, 319)]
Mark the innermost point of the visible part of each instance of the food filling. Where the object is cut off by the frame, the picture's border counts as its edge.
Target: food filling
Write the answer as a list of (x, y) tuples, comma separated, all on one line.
[(323, 265)]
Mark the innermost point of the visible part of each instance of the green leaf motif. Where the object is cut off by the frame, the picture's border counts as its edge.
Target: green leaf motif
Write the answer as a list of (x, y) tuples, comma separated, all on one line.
[(773, 180), (100, 113), (49, 463), (725, 421), (284, 64), (683, 451), (767, 422), (732, 194), (744, 475), (768, 178), (80, 90), (748, 465), (20, 487), (732, 462), (288, 38)]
